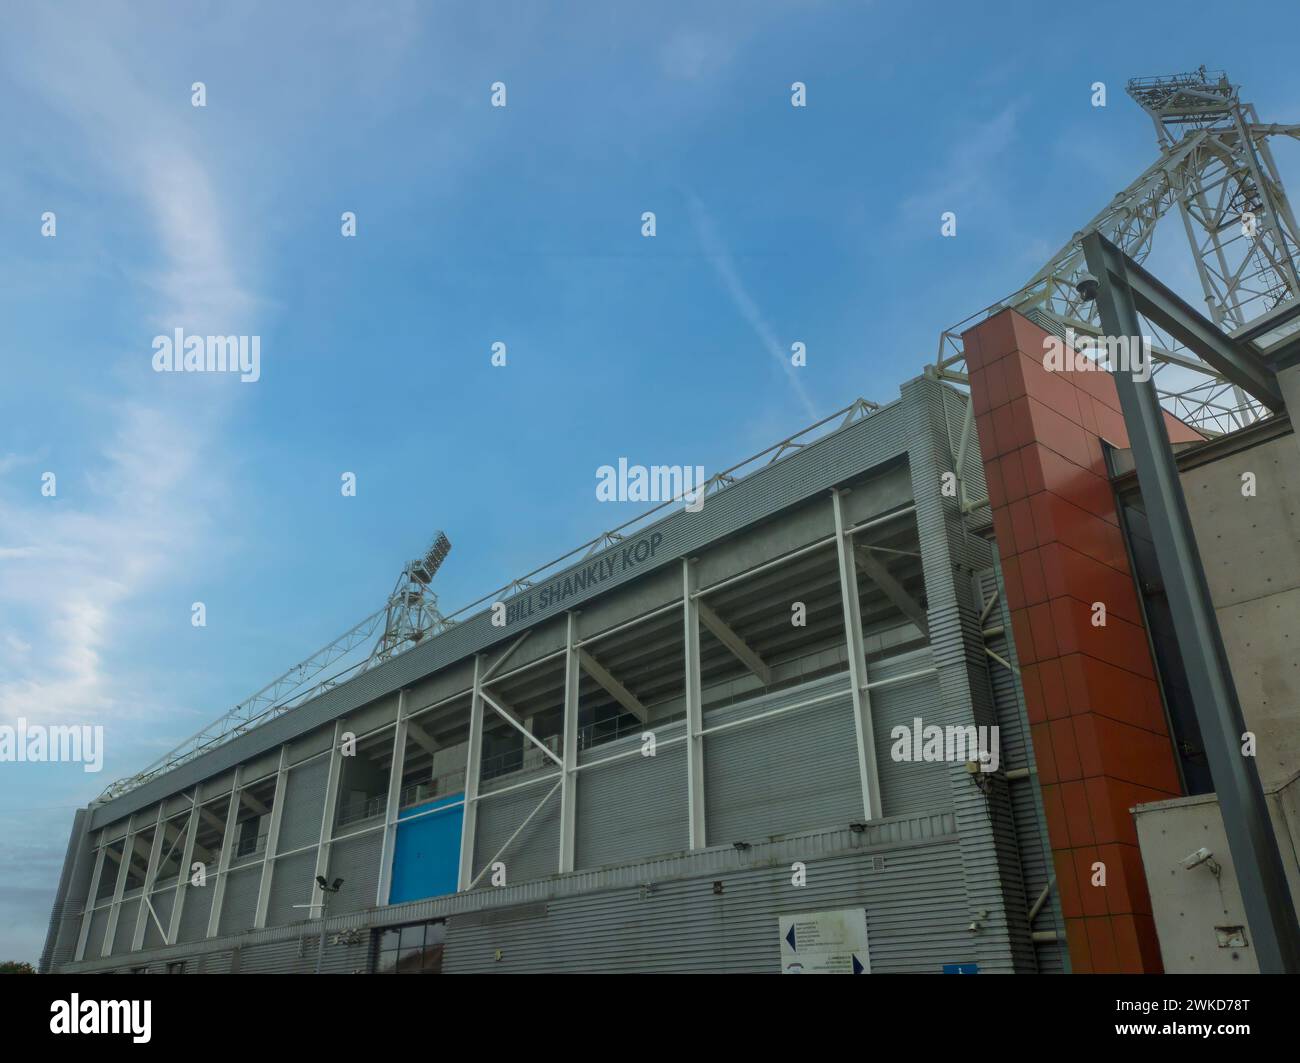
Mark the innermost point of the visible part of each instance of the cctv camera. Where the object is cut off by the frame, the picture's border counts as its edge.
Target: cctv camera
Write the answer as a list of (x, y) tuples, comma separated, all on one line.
[(1201, 856), (1086, 286)]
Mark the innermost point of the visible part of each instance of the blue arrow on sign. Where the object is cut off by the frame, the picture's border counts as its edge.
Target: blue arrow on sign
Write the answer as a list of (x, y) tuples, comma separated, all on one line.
[(790, 938)]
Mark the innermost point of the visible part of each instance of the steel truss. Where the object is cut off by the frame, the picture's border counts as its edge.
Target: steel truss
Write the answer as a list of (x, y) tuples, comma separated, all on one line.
[(1216, 168)]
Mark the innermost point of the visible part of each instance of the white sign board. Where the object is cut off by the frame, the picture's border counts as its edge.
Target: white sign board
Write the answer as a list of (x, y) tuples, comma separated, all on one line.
[(825, 943)]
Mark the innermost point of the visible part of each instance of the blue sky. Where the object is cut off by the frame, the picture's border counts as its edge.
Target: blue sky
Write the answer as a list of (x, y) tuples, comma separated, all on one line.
[(475, 225)]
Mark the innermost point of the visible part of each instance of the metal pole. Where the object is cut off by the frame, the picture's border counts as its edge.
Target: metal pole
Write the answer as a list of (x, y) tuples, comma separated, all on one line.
[(320, 947), (1246, 821)]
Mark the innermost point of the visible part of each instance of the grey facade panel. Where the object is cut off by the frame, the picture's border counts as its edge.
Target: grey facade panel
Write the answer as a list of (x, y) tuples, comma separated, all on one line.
[(304, 804), (356, 861), (906, 787), (914, 901), (632, 808), (291, 884), (70, 896), (126, 925), (239, 904), (535, 852), (98, 927), (194, 912), (784, 774), (1026, 797)]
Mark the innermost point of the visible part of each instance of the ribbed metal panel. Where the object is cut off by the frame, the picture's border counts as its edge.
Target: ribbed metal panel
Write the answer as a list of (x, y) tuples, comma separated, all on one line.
[(162, 902), (356, 861), (906, 786), (240, 902), (291, 883), (990, 860), (914, 904), (634, 807), (126, 925), (304, 804), (194, 913), (535, 853), (98, 925), (280, 957), (1026, 795), (70, 896), (786, 773)]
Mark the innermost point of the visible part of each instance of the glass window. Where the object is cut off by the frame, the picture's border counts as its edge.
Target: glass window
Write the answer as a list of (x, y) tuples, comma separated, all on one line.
[(415, 949)]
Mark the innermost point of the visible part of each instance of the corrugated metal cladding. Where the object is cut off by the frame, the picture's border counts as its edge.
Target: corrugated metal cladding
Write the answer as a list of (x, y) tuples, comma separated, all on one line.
[(195, 908), (906, 786), (74, 881), (634, 807), (239, 904), (915, 903), (304, 805), (1016, 747), (786, 773), (535, 853), (98, 924), (356, 861), (126, 925), (291, 884)]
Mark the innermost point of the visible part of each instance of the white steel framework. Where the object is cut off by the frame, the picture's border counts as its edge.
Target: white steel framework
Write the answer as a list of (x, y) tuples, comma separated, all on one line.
[(1217, 172)]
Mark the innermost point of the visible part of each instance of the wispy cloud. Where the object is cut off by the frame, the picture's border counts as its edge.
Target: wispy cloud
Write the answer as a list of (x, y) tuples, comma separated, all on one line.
[(965, 177), (719, 256), (135, 513)]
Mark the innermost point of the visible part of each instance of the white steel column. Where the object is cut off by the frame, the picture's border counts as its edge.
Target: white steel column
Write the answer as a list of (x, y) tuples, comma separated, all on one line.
[(272, 840), (187, 863), (864, 730), (150, 873), (327, 822), (223, 862), (569, 769), (694, 709), (393, 804), (115, 907), (473, 762), (89, 910)]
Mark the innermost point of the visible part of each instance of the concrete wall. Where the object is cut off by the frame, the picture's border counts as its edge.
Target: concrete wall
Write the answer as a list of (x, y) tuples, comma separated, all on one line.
[(1250, 548), (1193, 906)]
